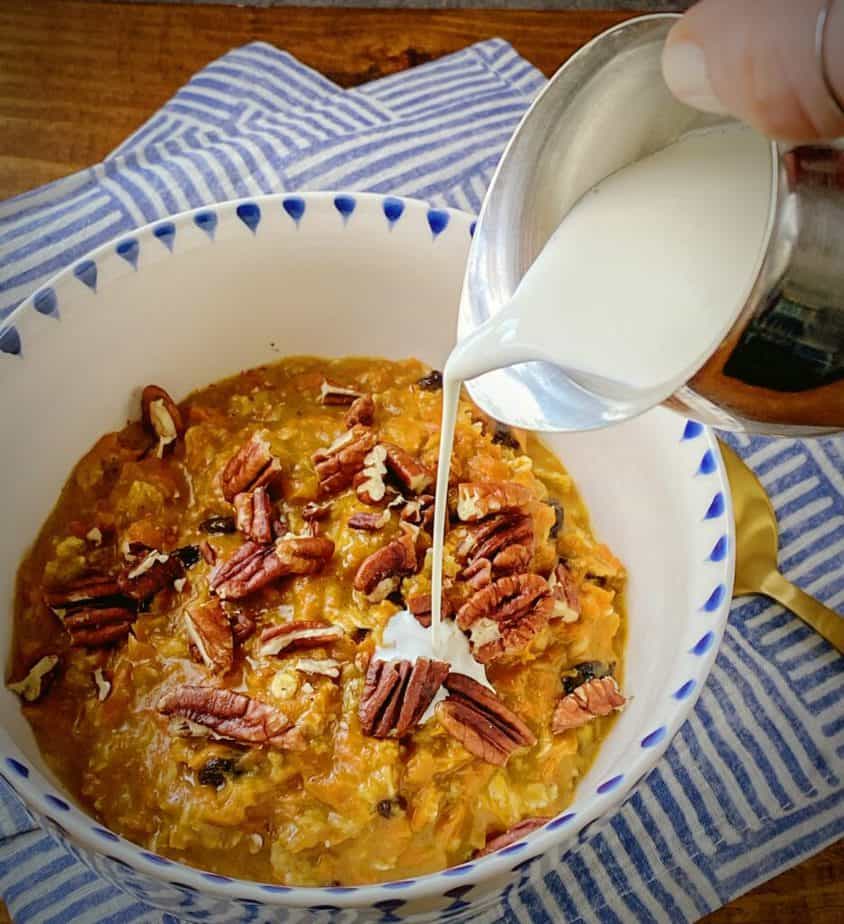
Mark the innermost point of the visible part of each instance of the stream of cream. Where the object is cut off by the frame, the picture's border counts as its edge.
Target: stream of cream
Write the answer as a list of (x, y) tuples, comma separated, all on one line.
[(639, 283)]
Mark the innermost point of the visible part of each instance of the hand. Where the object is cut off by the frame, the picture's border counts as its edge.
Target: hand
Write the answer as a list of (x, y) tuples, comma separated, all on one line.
[(756, 60)]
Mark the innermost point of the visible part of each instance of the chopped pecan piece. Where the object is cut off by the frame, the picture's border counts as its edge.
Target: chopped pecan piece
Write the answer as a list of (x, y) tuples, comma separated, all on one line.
[(503, 618), (90, 591), (35, 684), (252, 466), (208, 552), (255, 566), (420, 511), (92, 628), (565, 593), (161, 417), (157, 571), (516, 833), (328, 667), (410, 473), (478, 719), (361, 412), (243, 626), (337, 465), (396, 695), (381, 572), (369, 522), (231, 716), (597, 697), (314, 511), (480, 499), (337, 394), (300, 634), (369, 483), (210, 631), (253, 515), (420, 607)]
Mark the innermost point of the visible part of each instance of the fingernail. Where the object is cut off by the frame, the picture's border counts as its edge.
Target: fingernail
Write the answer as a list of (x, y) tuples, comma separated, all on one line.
[(684, 70)]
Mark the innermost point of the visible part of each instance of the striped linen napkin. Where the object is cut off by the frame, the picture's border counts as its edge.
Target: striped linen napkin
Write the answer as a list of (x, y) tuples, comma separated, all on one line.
[(753, 782)]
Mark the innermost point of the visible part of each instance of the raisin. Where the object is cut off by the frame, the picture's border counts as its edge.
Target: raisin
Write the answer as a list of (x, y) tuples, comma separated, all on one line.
[(188, 555), (386, 806), (559, 517), (503, 436), (214, 771), (360, 634), (584, 672), (218, 525), (433, 381)]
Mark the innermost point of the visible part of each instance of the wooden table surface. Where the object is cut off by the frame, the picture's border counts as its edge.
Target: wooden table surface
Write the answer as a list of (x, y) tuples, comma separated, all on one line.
[(77, 77)]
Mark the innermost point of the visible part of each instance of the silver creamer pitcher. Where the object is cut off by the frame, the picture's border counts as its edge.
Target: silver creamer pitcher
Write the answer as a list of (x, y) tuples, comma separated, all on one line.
[(780, 368)]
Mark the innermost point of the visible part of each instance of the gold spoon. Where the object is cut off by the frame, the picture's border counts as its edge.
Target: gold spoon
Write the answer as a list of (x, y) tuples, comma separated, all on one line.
[(756, 554)]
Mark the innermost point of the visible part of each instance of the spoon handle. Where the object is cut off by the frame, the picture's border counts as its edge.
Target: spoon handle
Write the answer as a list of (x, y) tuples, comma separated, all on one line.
[(822, 619)]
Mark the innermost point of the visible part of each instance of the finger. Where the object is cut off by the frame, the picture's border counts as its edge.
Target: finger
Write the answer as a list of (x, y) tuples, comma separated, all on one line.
[(756, 59)]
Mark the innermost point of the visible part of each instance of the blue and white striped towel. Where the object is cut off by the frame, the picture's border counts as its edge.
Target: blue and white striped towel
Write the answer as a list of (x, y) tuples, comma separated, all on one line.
[(753, 782)]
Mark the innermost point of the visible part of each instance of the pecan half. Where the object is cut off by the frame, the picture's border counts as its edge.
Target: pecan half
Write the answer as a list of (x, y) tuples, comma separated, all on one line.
[(210, 632), (231, 716), (476, 500), (337, 465), (420, 511), (478, 719), (505, 539), (503, 618), (565, 593), (90, 591), (362, 412), (381, 572), (255, 566), (369, 522), (369, 483), (36, 682), (597, 697), (409, 472), (300, 634), (252, 466), (161, 417), (396, 695), (516, 833), (327, 667), (253, 515), (92, 628), (479, 574), (155, 572), (332, 394)]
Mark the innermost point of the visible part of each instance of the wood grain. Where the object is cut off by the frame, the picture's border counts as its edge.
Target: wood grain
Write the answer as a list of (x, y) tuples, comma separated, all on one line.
[(77, 77)]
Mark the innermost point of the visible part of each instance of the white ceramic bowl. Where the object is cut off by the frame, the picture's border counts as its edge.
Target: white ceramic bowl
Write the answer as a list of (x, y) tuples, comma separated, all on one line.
[(200, 296)]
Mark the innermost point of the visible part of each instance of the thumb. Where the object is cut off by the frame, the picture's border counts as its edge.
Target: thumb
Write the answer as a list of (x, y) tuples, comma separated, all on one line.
[(756, 60)]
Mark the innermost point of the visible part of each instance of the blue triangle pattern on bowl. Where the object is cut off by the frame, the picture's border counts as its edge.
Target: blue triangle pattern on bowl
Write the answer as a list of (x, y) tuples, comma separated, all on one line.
[(10, 341), (46, 303), (295, 207), (86, 273), (250, 214), (166, 233), (129, 250)]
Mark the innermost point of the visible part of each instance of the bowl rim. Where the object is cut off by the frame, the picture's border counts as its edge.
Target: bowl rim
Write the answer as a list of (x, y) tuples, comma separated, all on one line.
[(80, 827)]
